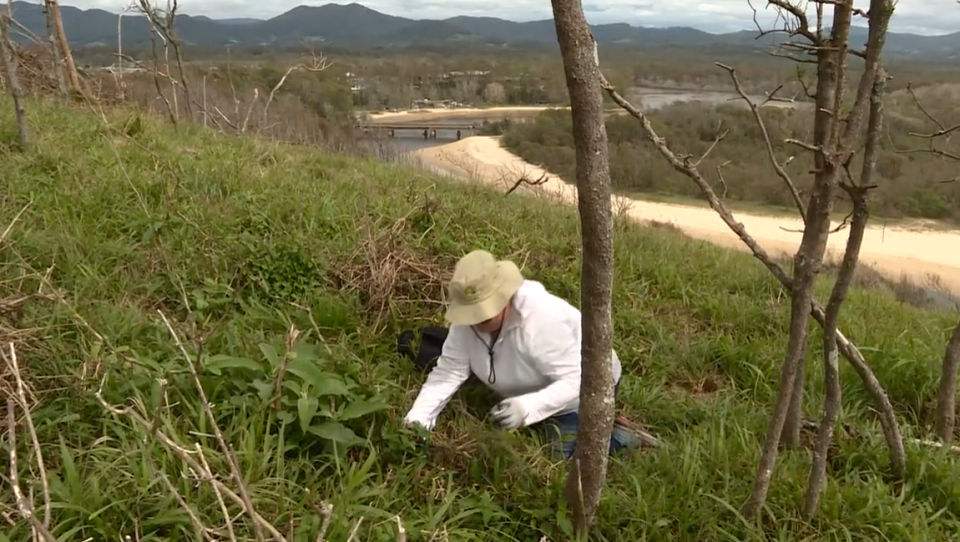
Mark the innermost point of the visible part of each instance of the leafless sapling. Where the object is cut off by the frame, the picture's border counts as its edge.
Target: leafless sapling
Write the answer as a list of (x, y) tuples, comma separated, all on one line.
[(9, 57), (581, 67), (945, 418), (837, 136)]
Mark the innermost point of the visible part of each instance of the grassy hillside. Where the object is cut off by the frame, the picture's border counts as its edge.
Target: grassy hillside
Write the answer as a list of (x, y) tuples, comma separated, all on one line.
[(253, 248)]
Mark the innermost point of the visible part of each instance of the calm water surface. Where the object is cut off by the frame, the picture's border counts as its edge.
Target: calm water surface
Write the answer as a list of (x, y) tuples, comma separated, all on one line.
[(406, 141)]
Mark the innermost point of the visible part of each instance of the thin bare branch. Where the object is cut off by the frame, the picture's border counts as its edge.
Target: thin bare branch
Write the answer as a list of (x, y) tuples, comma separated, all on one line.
[(317, 65), (799, 26), (187, 456), (713, 145), (23, 505), (204, 531), (524, 180), (227, 451), (219, 495), (755, 110), (943, 133), (849, 350), (35, 441)]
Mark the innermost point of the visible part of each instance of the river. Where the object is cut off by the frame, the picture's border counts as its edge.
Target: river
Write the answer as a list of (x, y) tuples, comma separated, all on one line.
[(648, 98)]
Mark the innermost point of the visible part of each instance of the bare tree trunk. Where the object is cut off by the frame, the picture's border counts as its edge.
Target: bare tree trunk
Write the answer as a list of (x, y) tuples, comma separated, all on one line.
[(947, 396), (831, 369), (807, 269), (851, 256), (792, 425), (580, 61), (888, 419), (72, 75), (9, 58), (55, 52), (837, 134), (807, 262)]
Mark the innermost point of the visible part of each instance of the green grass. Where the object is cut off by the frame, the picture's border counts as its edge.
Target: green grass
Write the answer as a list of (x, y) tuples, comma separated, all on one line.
[(238, 240)]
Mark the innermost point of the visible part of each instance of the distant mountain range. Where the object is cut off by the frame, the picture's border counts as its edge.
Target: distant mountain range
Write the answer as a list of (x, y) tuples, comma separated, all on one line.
[(356, 26)]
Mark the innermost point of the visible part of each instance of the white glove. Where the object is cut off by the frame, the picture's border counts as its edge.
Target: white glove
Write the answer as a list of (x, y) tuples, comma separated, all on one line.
[(509, 414)]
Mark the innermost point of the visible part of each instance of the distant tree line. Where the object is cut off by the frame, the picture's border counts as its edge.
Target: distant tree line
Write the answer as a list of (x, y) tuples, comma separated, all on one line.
[(918, 185), (395, 79)]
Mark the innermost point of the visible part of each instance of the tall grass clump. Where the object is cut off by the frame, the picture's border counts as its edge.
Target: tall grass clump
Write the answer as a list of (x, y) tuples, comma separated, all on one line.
[(151, 267)]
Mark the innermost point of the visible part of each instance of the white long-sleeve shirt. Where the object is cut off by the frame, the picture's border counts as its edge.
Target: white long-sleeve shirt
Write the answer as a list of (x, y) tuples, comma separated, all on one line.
[(536, 358)]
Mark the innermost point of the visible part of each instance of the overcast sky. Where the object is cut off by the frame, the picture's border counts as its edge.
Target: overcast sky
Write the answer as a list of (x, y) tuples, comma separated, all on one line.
[(915, 16)]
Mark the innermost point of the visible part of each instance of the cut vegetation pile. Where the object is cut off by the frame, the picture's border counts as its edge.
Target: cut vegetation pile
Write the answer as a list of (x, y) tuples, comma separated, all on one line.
[(253, 250)]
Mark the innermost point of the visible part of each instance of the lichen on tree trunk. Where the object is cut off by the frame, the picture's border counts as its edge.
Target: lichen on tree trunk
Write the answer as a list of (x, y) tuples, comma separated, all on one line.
[(580, 62)]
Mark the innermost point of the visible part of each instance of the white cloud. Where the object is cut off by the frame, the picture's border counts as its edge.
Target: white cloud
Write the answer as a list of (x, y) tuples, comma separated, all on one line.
[(916, 16)]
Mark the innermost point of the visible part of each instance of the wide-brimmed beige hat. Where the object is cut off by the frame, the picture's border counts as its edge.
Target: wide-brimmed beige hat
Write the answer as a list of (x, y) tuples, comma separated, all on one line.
[(481, 287)]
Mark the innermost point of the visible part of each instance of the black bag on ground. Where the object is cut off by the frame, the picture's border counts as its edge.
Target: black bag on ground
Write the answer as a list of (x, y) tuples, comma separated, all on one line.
[(429, 348)]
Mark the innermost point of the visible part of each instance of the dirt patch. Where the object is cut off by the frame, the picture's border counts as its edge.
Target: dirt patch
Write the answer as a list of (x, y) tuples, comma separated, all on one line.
[(705, 387)]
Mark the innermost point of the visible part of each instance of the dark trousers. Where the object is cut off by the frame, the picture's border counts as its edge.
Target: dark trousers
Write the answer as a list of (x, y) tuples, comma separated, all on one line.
[(562, 431)]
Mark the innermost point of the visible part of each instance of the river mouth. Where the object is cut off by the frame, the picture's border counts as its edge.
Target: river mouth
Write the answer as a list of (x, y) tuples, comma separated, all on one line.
[(447, 122)]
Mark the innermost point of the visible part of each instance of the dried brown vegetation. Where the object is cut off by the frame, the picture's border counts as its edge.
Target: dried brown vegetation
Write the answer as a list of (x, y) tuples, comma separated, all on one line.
[(385, 272)]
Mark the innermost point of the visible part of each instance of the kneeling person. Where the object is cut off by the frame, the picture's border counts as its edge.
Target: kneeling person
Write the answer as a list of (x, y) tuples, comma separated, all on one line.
[(523, 342)]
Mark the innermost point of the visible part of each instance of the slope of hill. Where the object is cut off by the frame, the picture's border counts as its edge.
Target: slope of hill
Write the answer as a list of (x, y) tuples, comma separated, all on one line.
[(264, 253), (354, 25)]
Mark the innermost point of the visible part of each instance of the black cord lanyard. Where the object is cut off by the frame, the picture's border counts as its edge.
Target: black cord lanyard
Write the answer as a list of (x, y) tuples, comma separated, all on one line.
[(492, 377)]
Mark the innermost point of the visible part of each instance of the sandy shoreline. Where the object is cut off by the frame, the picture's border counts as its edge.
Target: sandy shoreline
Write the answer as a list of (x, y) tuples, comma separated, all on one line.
[(420, 115), (894, 251), (530, 111)]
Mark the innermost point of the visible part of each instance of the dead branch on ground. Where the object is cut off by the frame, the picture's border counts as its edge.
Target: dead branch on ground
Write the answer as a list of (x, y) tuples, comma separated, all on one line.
[(207, 533), (21, 393), (224, 448), (199, 466), (23, 505), (833, 149), (186, 456)]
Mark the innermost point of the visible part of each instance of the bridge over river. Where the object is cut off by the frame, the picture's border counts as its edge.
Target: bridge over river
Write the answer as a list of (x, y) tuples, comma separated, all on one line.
[(429, 130)]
